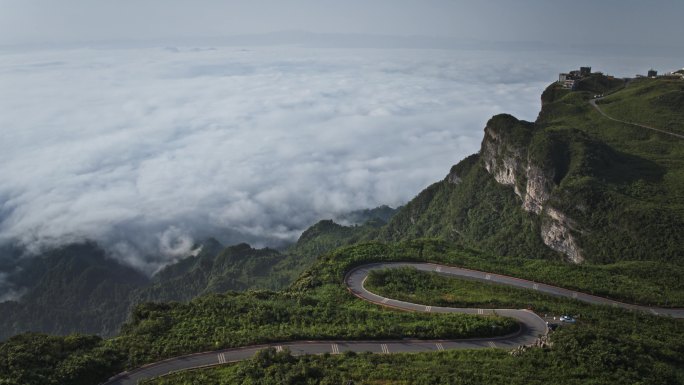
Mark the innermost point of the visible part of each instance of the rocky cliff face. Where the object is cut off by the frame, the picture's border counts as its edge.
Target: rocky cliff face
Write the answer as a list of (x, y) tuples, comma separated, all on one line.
[(453, 178), (506, 156), (556, 231), (502, 161), (538, 188)]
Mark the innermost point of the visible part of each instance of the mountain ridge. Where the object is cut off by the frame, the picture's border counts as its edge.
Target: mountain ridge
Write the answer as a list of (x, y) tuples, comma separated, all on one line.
[(617, 190), (570, 185)]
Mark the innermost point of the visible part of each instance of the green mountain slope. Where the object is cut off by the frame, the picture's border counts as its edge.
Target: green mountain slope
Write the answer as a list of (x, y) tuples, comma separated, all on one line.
[(606, 344), (573, 185), (217, 270), (74, 288), (470, 208), (78, 289), (380, 214), (653, 102), (327, 235)]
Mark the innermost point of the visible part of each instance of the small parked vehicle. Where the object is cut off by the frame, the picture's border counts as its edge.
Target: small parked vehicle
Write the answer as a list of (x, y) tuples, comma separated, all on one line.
[(567, 319)]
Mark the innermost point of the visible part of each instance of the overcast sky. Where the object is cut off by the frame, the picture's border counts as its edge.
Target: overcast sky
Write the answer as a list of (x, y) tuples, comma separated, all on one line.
[(630, 22)]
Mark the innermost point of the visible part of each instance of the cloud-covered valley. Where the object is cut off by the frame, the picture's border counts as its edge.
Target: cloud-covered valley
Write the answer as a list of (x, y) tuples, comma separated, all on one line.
[(146, 150)]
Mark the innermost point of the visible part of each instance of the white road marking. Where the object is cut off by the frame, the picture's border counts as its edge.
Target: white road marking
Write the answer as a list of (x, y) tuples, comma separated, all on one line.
[(384, 300), (428, 308), (222, 358), (535, 287), (438, 269), (335, 349), (488, 276), (439, 346)]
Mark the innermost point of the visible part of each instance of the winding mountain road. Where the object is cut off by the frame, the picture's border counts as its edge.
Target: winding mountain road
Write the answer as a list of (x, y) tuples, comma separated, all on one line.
[(531, 325)]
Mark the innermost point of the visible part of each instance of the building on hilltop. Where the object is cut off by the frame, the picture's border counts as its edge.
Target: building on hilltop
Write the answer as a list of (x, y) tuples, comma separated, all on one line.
[(570, 79), (674, 75)]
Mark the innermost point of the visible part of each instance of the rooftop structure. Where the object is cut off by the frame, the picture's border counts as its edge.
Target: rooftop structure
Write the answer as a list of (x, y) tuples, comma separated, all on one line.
[(570, 79)]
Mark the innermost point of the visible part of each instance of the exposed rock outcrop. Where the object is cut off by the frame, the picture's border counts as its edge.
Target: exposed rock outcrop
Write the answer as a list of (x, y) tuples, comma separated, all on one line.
[(506, 156), (556, 231), (537, 189), (501, 159), (453, 178)]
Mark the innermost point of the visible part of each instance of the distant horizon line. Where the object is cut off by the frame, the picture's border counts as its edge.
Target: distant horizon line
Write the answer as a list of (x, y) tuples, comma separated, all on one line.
[(324, 40)]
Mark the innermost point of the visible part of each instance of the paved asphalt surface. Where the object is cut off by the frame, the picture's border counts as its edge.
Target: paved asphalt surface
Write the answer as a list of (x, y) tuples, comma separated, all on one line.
[(532, 326), (593, 103)]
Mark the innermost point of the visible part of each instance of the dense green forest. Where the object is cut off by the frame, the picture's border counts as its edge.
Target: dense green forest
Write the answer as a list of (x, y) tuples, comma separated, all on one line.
[(79, 289), (577, 358), (605, 346), (217, 269), (317, 305), (477, 213), (74, 288), (33, 358)]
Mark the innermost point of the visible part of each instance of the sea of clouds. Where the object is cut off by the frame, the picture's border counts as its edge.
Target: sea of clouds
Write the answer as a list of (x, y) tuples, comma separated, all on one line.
[(147, 150)]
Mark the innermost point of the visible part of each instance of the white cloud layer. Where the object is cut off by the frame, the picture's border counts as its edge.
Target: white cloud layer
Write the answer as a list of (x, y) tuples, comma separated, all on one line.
[(145, 150)]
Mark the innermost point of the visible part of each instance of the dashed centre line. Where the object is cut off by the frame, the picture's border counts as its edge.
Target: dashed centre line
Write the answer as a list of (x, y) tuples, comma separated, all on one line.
[(355, 280), (438, 269), (535, 286)]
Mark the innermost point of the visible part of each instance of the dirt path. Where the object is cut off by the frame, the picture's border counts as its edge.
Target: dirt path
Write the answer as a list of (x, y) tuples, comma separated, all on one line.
[(593, 103)]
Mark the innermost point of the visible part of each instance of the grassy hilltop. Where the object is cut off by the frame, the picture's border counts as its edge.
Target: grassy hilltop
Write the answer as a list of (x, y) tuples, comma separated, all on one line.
[(653, 102)]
